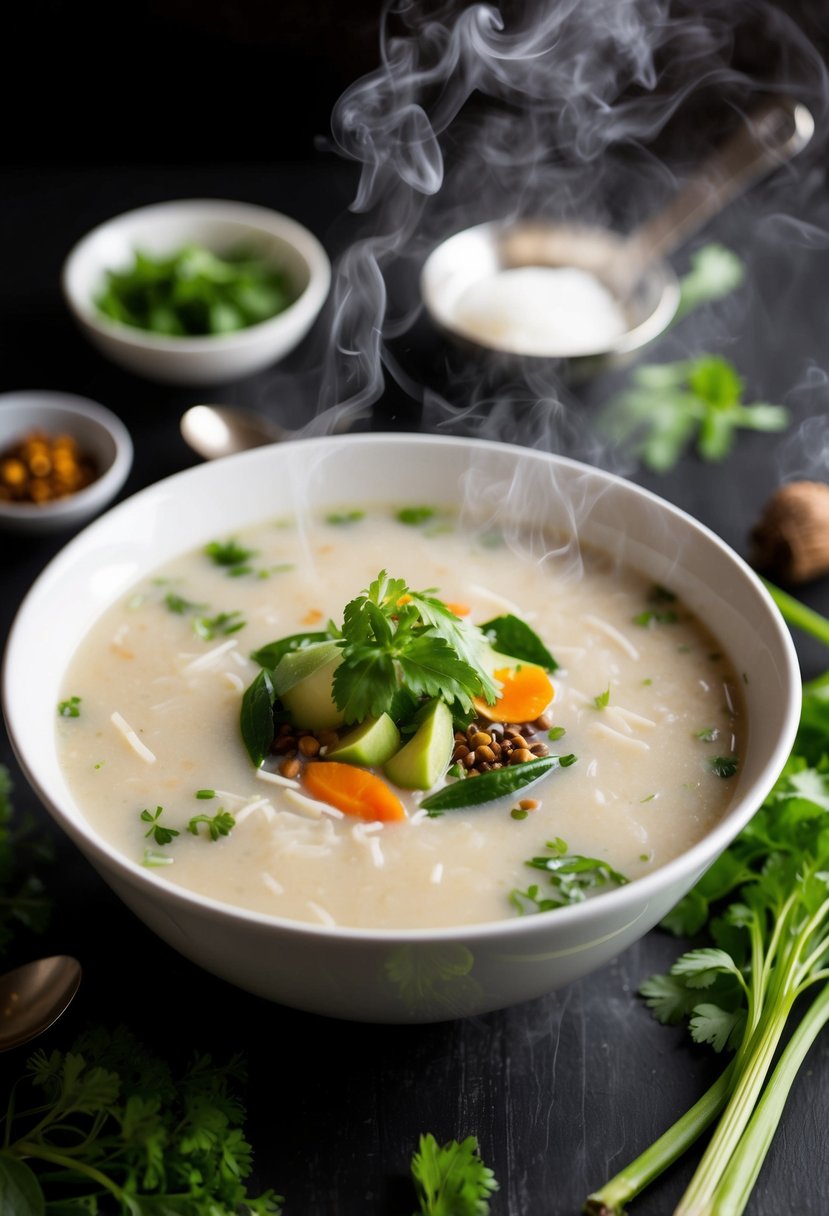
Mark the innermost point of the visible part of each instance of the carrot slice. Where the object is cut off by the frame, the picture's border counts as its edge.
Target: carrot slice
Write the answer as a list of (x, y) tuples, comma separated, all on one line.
[(458, 609), (526, 691), (354, 791)]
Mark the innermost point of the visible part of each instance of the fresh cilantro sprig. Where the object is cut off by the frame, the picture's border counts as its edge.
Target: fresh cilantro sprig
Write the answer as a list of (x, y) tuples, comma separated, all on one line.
[(220, 824), (571, 878), (107, 1127), (672, 406), (451, 1179), (394, 637)]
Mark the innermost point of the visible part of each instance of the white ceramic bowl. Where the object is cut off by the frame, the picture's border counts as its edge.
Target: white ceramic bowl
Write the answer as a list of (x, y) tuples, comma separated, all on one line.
[(219, 226), (97, 431), (350, 973)]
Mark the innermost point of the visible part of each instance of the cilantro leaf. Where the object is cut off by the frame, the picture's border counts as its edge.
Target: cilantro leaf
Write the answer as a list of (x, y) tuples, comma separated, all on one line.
[(220, 824), (451, 1180)]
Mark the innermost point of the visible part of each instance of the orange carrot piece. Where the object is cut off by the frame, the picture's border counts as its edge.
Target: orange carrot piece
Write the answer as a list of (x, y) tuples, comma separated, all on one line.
[(526, 692), (459, 609), (353, 790)]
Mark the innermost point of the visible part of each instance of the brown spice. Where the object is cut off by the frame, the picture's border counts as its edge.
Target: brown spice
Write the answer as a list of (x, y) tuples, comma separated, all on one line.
[(790, 541), (40, 468)]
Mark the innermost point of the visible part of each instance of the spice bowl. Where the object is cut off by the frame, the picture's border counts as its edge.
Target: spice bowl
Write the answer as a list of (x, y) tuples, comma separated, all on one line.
[(75, 432), (220, 227)]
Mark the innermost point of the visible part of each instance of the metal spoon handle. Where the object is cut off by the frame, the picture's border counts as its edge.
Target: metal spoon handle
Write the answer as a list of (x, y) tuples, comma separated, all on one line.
[(772, 135)]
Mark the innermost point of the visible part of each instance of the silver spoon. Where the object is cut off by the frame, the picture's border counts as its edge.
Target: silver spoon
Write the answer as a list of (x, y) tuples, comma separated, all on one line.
[(221, 430), (34, 996)]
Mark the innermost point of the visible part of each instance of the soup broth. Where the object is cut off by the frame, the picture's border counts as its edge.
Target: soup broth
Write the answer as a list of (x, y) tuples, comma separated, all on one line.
[(150, 740)]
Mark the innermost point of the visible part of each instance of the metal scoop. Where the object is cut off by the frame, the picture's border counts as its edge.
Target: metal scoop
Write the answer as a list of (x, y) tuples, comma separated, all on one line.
[(632, 268)]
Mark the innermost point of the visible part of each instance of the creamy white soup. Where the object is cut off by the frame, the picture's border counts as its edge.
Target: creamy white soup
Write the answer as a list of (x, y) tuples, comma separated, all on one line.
[(645, 713)]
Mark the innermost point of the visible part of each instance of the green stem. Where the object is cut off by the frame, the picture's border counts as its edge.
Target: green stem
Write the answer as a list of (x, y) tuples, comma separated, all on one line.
[(29, 1148), (744, 1167), (609, 1200), (751, 1074), (799, 616)]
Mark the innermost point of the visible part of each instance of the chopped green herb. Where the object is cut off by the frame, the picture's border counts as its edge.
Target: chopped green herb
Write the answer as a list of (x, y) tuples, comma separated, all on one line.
[(159, 833), (152, 859), (223, 623), (603, 699), (339, 518), (179, 605), (652, 616), (724, 766), (70, 708), (229, 553), (648, 798), (518, 812), (456, 770), (661, 595), (708, 734), (205, 795), (572, 878), (220, 824), (194, 292), (451, 1180), (556, 732), (415, 515), (646, 683)]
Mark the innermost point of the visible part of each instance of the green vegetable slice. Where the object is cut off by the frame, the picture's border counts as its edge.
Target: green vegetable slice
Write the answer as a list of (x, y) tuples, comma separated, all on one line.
[(256, 718), (270, 655), (495, 784), (510, 635)]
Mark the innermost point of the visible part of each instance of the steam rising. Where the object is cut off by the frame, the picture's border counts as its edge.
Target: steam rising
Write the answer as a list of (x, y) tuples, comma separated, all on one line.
[(566, 109)]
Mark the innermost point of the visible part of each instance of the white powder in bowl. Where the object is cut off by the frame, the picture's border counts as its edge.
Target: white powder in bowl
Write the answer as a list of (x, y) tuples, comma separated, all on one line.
[(541, 310)]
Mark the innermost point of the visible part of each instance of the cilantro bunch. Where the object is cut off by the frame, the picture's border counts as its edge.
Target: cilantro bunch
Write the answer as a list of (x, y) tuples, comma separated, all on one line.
[(765, 905), (107, 1128), (451, 1180), (393, 638), (671, 406)]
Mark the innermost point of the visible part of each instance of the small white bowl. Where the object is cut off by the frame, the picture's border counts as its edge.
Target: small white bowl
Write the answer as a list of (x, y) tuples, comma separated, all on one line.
[(350, 973), (220, 226), (97, 431)]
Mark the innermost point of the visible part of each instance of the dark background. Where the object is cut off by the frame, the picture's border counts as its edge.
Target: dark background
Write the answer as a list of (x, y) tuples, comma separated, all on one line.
[(107, 107)]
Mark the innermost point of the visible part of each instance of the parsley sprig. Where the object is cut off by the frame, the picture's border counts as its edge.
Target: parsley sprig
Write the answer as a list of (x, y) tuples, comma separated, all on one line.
[(106, 1126), (451, 1179), (394, 637), (670, 406)]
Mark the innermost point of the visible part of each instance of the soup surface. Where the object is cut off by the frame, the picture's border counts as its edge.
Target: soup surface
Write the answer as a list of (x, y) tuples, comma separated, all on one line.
[(150, 739)]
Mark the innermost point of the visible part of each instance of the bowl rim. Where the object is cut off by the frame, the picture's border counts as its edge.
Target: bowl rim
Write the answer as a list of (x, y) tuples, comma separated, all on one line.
[(252, 215), (105, 486), (630, 899)]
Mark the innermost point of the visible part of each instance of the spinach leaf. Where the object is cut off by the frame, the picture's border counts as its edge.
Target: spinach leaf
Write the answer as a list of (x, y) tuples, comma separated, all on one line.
[(256, 718), (270, 655), (510, 635)]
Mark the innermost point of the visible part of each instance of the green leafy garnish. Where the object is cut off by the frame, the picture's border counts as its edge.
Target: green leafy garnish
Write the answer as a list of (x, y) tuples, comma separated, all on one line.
[(724, 766), (270, 655), (230, 554), (602, 700), (413, 516), (256, 718), (672, 405), (339, 518), (220, 824), (715, 272), (179, 605), (394, 637), (655, 616), (708, 734), (107, 1127), (451, 1179), (223, 623), (70, 708), (572, 878), (496, 783), (510, 635), (160, 834), (556, 732), (194, 292)]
